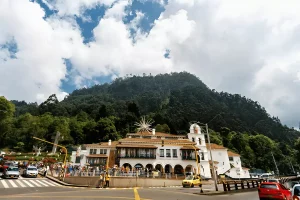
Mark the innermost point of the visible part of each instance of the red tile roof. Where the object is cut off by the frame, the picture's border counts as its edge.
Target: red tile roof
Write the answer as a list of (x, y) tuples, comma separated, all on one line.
[(232, 154), (157, 141), (215, 146), (136, 146), (188, 148), (103, 144), (156, 134)]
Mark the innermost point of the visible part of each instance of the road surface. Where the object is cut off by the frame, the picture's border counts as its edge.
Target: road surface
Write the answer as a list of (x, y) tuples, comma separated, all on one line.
[(47, 193)]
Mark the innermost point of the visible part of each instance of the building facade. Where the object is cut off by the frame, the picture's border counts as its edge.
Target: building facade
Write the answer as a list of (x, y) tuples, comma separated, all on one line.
[(163, 152)]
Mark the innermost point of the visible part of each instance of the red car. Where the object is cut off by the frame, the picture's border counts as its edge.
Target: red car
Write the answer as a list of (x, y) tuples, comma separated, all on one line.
[(271, 190)]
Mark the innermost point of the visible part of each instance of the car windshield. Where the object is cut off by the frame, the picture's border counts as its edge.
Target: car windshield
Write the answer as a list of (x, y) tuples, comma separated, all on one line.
[(268, 186), (189, 178), (273, 180), (297, 190), (31, 169), (12, 169)]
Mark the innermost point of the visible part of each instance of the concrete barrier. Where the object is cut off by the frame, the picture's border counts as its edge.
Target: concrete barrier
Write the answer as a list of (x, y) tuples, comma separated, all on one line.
[(124, 182)]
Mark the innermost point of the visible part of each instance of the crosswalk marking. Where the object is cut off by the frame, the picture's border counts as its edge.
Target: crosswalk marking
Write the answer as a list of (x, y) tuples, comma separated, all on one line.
[(4, 184), (25, 181), (12, 183), (34, 183), (48, 183), (20, 183), (56, 184), (40, 182)]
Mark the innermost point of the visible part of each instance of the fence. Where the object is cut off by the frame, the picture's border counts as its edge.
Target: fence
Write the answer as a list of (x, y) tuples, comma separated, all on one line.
[(115, 173), (243, 184)]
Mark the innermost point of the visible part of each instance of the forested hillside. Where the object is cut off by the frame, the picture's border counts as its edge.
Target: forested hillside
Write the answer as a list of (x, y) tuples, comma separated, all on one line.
[(109, 111)]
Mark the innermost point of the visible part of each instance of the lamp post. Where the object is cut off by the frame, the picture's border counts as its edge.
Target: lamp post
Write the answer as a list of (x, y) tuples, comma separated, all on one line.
[(208, 139), (65, 159), (213, 165)]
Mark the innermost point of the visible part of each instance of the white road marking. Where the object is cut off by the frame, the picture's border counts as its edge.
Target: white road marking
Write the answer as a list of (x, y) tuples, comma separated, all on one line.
[(40, 182), (44, 181), (29, 184), (20, 183), (4, 184), (12, 183), (33, 182), (56, 184)]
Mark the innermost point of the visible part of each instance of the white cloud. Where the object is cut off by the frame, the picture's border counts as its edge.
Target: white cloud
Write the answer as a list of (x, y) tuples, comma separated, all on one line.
[(117, 11), (39, 67), (248, 48), (75, 7)]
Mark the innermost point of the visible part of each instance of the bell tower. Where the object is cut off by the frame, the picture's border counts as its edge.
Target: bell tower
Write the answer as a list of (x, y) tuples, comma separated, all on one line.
[(195, 135)]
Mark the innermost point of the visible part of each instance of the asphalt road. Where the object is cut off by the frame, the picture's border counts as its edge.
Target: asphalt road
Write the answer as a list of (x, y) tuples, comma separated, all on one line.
[(128, 194)]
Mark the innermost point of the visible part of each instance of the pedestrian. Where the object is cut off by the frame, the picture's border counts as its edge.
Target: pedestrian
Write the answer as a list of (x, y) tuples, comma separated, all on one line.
[(100, 182), (107, 180)]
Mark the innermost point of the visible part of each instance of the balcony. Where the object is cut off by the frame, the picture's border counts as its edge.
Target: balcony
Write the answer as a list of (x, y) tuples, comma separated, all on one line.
[(138, 156), (188, 158)]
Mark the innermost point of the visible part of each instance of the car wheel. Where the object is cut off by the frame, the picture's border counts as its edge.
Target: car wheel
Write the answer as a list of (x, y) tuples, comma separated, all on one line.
[(192, 185)]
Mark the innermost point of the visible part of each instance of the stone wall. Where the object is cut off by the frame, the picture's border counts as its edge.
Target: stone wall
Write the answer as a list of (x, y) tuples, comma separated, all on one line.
[(124, 182)]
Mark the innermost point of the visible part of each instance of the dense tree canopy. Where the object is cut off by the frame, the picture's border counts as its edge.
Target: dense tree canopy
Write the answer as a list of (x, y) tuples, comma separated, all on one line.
[(109, 111)]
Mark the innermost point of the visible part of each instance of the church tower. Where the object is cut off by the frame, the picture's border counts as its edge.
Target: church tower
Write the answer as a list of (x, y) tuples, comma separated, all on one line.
[(196, 135)]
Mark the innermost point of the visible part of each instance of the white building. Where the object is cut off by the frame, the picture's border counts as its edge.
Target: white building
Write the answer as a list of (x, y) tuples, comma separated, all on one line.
[(228, 162), (100, 155), (168, 153), (236, 170)]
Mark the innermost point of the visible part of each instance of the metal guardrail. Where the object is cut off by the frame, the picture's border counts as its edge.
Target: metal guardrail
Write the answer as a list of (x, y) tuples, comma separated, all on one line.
[(242, 184)]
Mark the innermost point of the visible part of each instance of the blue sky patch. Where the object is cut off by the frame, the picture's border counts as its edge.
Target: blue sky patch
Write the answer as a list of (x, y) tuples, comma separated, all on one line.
[(12, 47), (93, 15), (152, 11), (91, 18)]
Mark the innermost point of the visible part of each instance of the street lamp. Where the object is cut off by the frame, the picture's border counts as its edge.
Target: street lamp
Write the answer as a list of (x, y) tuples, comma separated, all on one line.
[(212, 160), (66, 153)]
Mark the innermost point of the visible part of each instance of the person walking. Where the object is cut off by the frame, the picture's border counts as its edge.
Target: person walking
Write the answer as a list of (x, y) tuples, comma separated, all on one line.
[(107, 180), (100, 182)]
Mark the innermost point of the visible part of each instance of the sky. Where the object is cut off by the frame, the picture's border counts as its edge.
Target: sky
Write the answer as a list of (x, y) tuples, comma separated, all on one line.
[(245, 47)]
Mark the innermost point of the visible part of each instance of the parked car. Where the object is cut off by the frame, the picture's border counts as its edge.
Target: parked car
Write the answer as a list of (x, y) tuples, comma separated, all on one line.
[(273, 180), (11, 172), (191, 181), (266, 176), (269, 190), (296, 192), (30, 171)]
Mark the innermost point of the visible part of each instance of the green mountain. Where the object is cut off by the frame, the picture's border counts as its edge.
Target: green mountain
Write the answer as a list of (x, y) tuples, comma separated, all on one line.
[(173, 101)]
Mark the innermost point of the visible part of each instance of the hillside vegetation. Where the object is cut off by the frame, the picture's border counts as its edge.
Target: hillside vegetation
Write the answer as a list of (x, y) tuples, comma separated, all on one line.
[(109, 111)]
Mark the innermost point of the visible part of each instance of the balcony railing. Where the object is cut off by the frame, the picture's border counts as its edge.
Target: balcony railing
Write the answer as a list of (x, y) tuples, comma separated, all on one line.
[(188, 158), (139, 156)]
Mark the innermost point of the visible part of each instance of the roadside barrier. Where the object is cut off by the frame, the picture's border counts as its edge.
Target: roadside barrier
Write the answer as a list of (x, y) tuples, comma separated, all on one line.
[(242, 184)]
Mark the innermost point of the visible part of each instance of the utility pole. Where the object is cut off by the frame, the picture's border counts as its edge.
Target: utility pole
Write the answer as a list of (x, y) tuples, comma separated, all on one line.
[(275, 164), (55, 142), (213, 165), (292, 166)]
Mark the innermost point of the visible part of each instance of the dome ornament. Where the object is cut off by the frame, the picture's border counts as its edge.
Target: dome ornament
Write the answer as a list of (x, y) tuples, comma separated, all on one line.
[(144, 125)]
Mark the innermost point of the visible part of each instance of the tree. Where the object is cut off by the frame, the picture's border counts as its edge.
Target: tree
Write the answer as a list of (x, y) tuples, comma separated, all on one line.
[(106, 130), (20, 146), (164, 128), (7, 110)]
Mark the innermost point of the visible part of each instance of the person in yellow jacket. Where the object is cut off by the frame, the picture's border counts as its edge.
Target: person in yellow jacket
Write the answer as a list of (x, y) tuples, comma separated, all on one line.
[(107, 176)]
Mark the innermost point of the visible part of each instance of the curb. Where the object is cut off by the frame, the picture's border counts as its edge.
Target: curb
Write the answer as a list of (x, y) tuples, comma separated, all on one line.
[(129, 188), (63, 183), (228, 192)]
